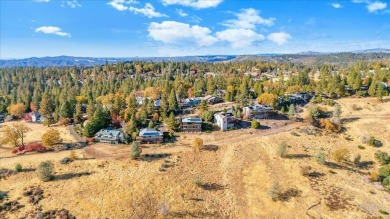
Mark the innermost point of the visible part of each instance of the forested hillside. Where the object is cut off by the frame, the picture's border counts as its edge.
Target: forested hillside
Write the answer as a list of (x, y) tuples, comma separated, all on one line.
[(109, 92)]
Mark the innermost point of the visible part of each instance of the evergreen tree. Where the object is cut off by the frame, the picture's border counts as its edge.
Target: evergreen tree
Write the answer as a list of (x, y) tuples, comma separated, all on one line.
[(66, 110), (291, 112), (172, 101), (135, 151), (47, 109), (171, 123), (255, 124)]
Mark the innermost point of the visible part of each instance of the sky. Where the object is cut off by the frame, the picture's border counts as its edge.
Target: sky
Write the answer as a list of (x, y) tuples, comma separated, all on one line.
[(155, 28)]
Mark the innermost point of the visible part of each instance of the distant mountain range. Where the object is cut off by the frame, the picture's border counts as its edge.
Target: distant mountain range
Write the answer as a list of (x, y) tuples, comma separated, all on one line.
[(303, 57)]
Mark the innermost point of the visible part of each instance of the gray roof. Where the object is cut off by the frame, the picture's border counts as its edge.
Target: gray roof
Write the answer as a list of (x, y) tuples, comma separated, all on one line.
[(149, 132), (107, 133), (191, 120)]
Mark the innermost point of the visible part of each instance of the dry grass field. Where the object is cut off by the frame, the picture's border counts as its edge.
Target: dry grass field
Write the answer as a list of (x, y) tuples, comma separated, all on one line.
[(237, 169)]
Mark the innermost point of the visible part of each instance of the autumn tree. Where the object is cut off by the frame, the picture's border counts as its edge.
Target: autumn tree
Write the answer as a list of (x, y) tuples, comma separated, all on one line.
[(17, 110), (197, 145), (14, 133), (268, 99), (51, 137), (341, 155)]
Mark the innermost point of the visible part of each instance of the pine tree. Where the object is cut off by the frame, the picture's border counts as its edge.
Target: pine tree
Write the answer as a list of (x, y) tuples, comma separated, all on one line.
[(78, 113), (66, 110), (171, 123), (172, 101), (291, 112), (135, 151), (47, 109)]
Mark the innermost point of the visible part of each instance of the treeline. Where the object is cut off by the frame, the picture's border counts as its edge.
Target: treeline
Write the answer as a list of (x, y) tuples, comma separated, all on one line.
[(109, 92)]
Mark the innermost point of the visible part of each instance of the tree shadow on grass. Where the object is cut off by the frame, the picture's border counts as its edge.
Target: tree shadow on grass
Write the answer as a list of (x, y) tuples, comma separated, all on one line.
[(342, 167), (152, 157), (210, 148), (193, 214), (212, 186), (67, 176), (296, 156)]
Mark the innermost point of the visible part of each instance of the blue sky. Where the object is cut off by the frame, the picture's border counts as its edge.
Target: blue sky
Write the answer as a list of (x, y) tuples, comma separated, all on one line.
[(128, 28)]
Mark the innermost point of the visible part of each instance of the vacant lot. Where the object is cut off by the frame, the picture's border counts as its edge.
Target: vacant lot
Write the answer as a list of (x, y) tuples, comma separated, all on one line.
[(234, 173)]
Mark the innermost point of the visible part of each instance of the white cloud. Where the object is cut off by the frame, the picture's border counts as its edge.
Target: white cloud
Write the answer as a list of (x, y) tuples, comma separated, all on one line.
[(198, 4), (121, 5), (71, 3), (148, 11), (41, 0), (52, 30), (248, 19), (181, 13), (376, 6), (280, 38), (336, 5), (173, 32), (239, 38)]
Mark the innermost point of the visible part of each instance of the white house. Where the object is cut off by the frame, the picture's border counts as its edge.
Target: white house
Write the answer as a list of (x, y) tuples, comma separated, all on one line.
[(225, 120)]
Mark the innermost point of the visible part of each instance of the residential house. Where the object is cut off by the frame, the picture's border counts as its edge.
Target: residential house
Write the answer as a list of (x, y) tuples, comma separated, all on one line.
[(212, 100), (191, 124), (111, 136), (225, 120), (192, 102), (257, 112), (147, 135), (36, 117)]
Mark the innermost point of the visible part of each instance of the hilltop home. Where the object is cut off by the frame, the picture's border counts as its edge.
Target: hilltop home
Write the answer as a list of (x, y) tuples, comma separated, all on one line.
[(212, 100), (192, 102), (147, 135), (257, 112), (191, 124), (36, 117), (110, 136), (225, 120)]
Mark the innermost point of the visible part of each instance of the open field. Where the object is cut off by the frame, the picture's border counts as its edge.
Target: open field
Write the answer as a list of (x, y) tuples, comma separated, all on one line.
[(237, 170)]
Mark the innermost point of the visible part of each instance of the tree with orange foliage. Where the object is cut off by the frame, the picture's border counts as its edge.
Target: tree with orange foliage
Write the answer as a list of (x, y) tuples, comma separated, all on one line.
[(268, 99), (17, 110)]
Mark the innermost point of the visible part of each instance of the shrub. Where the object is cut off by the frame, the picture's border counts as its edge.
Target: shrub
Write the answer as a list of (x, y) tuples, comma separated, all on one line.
[(329, 102), (72, 155), (197, 145), (384, 171), (35, 147), (383, 212), (341, 155), (135, 151), (330, 125), (306, 170), (374, 142), (382, 157), (51, 137), (374, 176), (255, 124), (18, 167), (3, 195), (361, 147), (386, 182), (14, 151), (45, 171), (320, 157), (356, 160), (356, 107), (197, 182), (275, 191), (282, 149), (63, 121)]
